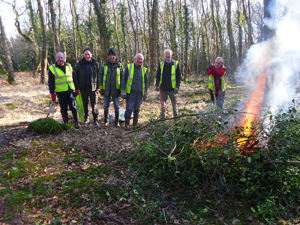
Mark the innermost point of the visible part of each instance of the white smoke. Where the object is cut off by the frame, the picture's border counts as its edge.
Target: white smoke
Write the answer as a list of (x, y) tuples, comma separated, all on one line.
[(279, 56)]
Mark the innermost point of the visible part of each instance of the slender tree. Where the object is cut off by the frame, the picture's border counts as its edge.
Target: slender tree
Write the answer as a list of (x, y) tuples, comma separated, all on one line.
[(154, 39), (45, 45), (54, 27), (11, 76)]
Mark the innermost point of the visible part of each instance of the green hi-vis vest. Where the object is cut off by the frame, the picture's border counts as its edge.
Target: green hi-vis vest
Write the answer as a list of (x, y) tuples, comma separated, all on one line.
[(80, 106), (118, 78), (130, 78), (62, 80), (173, 73), (211, 84)]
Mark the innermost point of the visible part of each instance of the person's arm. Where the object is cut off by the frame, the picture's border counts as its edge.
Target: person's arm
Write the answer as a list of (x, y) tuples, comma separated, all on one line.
[(124, 79), (121, 72), (158, 76), (178, 76), (210, 72), (51, 82), (219, 72), (101, 73), (146, 81), (75, 80), (76, 74), (99, 82)]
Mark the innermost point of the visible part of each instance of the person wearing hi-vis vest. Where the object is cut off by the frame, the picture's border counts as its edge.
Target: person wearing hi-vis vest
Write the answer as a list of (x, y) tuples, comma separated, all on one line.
[(111, 73), (168, 78), (87, 73), (134, 88), (64, 85), (217, 85)]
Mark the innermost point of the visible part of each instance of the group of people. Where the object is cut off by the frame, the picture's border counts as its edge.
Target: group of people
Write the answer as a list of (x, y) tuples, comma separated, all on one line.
[(111, 80)]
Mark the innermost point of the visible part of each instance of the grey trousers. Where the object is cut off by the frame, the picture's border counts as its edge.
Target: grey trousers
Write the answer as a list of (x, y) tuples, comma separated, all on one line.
[(164, 97)]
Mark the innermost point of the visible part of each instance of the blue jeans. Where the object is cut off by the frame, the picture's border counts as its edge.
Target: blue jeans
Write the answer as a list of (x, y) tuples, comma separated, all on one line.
[(107, 103), (133, 102)]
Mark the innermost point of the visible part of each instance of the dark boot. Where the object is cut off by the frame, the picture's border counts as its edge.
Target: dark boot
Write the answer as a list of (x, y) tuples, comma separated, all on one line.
[(96, 120), (135, 121), (65, 117), (163, 114), (117, 119), (175, 112), (75, 116), (106, 118), (127, 122)]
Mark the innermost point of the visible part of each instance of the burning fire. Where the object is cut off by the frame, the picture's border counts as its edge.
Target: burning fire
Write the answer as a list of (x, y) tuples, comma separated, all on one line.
[(252, 110)]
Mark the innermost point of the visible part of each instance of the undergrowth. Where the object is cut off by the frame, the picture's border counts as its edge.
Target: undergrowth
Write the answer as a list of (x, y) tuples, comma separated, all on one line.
[(195, 170)]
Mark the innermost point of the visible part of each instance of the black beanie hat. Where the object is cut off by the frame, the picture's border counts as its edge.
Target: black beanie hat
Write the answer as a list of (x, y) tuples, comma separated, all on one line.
[(112, 51), (87, 49)]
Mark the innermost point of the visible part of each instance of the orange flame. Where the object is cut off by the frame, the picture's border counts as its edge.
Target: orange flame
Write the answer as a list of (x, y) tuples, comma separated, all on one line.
[(252, 109)]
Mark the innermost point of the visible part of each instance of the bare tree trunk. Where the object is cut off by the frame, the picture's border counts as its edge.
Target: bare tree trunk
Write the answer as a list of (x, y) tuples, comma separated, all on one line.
[(54, 29), (240, 36), (72, 7), (267, 32), (11, 76), (100, 9), (233, 55), (216, 34), (248, 20), (153, 64), (116, 29), (133, 29), (44, 47), (174, 31), (187, 40)]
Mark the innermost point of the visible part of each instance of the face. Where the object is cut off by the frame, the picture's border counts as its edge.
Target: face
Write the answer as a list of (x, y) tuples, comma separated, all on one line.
[(168, 56), (112, 58), (218, 63), (60, 59), (88, 55), (138, 60)]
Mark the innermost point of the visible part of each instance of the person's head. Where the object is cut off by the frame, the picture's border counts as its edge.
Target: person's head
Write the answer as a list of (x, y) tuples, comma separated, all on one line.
[(138, 59), (112, 55), (219, 62), (168, 55), (87, 54), (60, 58)]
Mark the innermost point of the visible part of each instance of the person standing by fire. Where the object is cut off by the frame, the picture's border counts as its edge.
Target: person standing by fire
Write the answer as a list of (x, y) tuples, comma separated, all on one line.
[(217, 85)]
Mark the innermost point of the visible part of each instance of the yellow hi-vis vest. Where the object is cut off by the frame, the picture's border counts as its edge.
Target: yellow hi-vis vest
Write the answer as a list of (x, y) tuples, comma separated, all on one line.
[(211, 84), (173, 73), (62, 80), (130, 78), (118, 78)]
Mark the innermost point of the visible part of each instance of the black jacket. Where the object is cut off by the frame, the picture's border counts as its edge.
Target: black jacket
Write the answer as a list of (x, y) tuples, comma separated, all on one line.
[(166, 84)]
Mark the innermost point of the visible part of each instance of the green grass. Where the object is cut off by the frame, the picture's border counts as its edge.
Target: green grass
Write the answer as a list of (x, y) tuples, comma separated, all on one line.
[(11, 106)]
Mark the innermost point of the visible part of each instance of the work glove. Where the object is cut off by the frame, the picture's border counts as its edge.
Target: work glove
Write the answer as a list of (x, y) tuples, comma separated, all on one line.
[(53, 97), (157, 89), (145, 95), (76, 92), (210, 67), (176, 90), (123, 94)]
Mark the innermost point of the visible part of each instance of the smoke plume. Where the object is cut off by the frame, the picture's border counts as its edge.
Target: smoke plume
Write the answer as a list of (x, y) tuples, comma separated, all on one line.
[(277, 57)]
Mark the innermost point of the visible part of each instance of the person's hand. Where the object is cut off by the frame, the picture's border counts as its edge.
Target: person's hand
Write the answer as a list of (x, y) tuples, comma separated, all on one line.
[(102, 92), (145, 95), (123, 94), (210, 67), (77, 92), (53, 97), (97, 91), (157, 89), (176, 90)]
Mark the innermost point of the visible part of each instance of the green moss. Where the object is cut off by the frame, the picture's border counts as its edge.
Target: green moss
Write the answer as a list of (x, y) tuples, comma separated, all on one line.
[(8, 155), (11, 106), (15, 200), (3, 191), (45, 126)]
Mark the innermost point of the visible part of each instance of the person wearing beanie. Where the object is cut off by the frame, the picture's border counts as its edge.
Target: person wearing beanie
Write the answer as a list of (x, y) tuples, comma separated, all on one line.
[(87, 73), (111, 73), (64, 86)]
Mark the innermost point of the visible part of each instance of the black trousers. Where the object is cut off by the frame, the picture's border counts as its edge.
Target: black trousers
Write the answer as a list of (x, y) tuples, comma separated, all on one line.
[(220, 97), (87, 94), (66, 100)]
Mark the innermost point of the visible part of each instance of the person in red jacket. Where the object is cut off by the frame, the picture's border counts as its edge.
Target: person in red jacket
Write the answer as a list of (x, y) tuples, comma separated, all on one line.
[(217, 85)]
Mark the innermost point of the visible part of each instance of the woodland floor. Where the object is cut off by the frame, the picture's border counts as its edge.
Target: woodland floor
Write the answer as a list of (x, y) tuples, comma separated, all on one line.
[(44, 179)]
